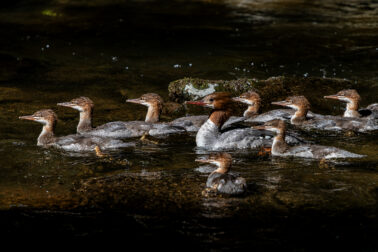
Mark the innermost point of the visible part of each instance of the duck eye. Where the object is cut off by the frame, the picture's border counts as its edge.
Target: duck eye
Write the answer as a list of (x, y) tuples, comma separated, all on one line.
[(211, 100)]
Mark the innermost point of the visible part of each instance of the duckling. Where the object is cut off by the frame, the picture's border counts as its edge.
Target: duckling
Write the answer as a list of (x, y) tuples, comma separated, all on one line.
[(280, 148), (220, 181), (352, 99), (118, 129), (76, 143)]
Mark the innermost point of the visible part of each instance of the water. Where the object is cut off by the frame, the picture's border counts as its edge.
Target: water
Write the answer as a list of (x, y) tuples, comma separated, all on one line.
[(109, 51)]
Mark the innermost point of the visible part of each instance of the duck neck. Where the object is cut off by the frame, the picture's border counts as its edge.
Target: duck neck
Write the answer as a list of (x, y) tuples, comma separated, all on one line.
[(222, 168), (153, 114), (47, 135), (352, 109), (279, 145), (85, 122), (210, 130), (219, 117), (299, 116), (252, 111)]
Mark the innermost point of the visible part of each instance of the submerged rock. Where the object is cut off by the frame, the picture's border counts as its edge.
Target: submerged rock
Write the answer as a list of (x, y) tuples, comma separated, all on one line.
[(271, 89)]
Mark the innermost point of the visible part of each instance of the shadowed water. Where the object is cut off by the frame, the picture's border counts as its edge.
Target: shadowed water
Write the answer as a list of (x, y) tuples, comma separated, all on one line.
[(57, 50)]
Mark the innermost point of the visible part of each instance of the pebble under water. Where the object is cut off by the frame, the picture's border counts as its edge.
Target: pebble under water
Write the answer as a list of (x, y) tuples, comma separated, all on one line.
[(151, 195)]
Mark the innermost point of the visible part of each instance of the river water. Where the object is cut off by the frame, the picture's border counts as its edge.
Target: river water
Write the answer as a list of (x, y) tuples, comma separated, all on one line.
[(53, 51)]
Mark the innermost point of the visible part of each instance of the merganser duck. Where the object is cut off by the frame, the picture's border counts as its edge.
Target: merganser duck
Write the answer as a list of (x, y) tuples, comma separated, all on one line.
[(210, 136), (333, 123), (220, 181), (352, 98), (251, 114), (76, 143), (153, 102), (280, 148), (194, 123), (189, 123), (85, 106), (120, 129), (253, 100)]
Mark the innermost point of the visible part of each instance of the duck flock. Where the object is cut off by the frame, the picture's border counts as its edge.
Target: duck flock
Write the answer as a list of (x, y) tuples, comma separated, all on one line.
[(219, 132)]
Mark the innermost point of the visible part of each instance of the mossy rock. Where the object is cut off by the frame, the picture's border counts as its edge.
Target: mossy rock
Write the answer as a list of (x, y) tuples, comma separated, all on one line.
[(193, 88), (271, 89)]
